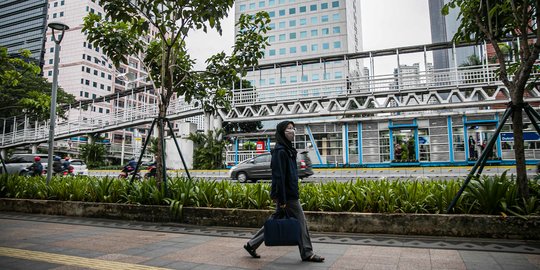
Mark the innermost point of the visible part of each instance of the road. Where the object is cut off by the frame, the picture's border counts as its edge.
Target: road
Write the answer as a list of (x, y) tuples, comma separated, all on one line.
[(346, 174)]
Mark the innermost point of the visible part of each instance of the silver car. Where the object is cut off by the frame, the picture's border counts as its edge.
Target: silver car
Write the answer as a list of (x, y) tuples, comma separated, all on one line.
[(79, 167), (258, 168), (19, 162)]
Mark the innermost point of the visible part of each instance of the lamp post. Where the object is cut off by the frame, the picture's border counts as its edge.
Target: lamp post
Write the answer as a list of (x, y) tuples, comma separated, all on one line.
[(57, 39)]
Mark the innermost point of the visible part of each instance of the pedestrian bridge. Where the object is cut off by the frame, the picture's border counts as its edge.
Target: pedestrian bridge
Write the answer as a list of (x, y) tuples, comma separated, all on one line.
[(362, 97)]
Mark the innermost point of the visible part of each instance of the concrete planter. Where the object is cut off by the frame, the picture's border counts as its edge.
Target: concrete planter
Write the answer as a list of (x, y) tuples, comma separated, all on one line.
[(405, 224)]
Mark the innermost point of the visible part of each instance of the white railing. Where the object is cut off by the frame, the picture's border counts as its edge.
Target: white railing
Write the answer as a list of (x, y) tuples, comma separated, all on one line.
[(443, 78), (231, 157)]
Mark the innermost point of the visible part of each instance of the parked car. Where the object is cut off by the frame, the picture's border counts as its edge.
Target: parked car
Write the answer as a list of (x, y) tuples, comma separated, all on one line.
[(79, 167), (259, 168), (19, 162)]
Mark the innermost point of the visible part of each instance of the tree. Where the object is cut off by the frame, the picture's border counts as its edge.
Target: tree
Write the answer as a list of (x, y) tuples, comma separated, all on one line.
[(209, 149), (495, 21), (94, 152), (23, 90), (126, 25), (245, 127)]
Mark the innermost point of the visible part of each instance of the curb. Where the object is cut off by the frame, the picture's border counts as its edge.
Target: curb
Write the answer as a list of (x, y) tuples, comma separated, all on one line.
[(484, 226)]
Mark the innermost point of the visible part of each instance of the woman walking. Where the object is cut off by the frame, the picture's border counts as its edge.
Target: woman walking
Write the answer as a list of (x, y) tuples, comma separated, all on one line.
[(285, 191)]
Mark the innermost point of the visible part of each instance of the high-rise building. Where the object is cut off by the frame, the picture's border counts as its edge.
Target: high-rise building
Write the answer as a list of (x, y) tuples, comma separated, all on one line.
[(443, 29), (22, 26), (303, 29)]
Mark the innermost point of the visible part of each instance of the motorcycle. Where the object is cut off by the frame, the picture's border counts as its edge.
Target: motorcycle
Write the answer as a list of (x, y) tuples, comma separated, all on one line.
[(151, 171), (129, 171)]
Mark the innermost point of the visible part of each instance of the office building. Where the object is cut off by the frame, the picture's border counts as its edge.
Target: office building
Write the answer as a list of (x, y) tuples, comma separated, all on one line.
[(302, 29), (22, 26)]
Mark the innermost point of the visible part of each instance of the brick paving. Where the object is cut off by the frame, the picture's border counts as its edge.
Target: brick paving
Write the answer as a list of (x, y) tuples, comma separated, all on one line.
[(62, 243)]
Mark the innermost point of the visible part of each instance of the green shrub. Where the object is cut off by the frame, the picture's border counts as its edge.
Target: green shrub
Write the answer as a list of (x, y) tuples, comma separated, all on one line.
[(488, 195)]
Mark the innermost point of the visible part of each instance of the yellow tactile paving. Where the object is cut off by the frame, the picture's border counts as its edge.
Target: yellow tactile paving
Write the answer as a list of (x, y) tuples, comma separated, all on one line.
[(71, 260)]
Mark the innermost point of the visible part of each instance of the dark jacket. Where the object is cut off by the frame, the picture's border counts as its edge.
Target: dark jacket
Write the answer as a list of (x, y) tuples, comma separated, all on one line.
[(57, 166), (284, 175), (36, 168)]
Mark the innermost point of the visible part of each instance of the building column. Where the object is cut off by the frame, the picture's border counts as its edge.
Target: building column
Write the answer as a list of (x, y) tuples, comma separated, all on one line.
[(34, 148), (3, 152), (90, 139)]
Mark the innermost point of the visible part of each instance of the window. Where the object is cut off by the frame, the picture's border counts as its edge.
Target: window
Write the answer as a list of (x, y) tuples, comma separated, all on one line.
[(50, 61), (305, 78), (283, 80), (272, 14), (303, 34), (336, 30), (281, 37), (335, 17), (82, 68), (83, 56), (108, 111), (281, 12), (95, 72), (314, 47), (271, 81), (100, 110), (337, 44), (282, 1), (85, 94), (293, 79), (326, 76), (94, 84), (314, 32), (292, 11), (262, 82), (55, 4), (292, 23), (61, 14), (324, 18), (281, 25), (271, 38), (87, 70), (313, 20), (338, 75), (272, 26), (62, 2), (51, 50), (87, 82), (324, 5), (261, 4), (335, 4), (271, 2), (282, 51), (81, 93), (54, 15), (50, 73), (272, 52), (102, 74), (242, 7), (292, 50), (315, 77), (325, 31), (313, 8), (252, 6), (292, 35), (302, 9), (101, 86), (303, 48), (303, 21), (89, 58), (325, 46), (93, 96), (109, 88), (109, 77)]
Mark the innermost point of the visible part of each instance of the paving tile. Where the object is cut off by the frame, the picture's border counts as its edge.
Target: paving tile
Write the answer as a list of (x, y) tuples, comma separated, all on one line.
[(371, 266), (386, 260)]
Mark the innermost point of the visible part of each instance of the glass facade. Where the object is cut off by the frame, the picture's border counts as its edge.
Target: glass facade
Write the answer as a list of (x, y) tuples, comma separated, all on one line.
[(23, 26)]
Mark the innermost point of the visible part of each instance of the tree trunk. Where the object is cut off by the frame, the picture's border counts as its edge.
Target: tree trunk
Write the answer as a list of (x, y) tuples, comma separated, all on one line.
[(519, 151), (160, 144)]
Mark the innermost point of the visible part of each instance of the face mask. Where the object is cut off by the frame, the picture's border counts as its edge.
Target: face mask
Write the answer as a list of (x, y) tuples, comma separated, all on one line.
[(289, 134)]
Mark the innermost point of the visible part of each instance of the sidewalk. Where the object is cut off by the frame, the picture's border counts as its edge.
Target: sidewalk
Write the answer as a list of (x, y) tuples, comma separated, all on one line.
[(52, 242)]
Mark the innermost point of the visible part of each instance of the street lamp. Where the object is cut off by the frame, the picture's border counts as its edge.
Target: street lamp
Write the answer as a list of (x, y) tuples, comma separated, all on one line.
[(57, 39)]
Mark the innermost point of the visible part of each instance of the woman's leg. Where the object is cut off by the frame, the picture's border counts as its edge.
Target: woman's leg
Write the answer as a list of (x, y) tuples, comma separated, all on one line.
[(294, 208)]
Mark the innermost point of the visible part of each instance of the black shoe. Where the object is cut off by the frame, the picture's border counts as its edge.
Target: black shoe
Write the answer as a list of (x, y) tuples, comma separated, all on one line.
[(251, 251)]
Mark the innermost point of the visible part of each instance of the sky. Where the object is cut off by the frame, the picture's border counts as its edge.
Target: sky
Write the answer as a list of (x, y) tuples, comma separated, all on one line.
[(385, 24)]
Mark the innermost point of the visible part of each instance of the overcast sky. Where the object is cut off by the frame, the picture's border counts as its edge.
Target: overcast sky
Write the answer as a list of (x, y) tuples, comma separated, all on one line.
[(385, 24)]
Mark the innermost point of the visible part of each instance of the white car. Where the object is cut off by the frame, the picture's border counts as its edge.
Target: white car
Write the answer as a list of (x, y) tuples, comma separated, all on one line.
[(79, 167)]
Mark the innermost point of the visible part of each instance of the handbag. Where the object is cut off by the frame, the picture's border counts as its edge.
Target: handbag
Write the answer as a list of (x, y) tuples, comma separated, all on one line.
[(281, 230)]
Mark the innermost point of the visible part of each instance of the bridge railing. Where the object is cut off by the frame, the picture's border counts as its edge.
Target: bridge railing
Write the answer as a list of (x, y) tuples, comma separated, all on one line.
[(442, 78)]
